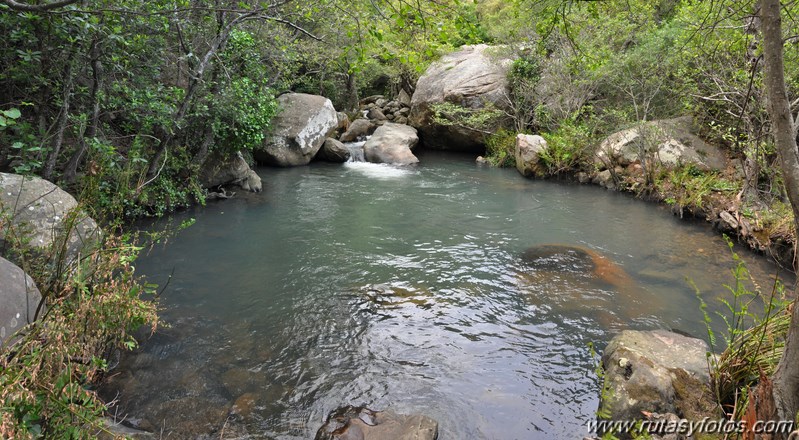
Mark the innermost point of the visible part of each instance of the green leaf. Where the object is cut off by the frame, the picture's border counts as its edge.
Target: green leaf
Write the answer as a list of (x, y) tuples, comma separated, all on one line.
[(12, 113)]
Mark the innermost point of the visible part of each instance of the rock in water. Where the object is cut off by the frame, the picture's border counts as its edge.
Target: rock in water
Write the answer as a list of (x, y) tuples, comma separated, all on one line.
[(359, 423), (233, 170), (392, 144), (333, 151), (300, 129), (658, 372), (528, 154), (472, 77), (46, 214), (19, 298), (561, 258), (359, 129)]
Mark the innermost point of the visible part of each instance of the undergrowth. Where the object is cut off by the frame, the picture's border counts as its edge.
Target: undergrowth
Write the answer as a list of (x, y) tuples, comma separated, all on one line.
[(91, 306), (754, 339)]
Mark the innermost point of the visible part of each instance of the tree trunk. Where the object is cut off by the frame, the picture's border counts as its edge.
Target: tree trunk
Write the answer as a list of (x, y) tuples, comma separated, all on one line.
[(786, 378), (71, 170), (61, 128)]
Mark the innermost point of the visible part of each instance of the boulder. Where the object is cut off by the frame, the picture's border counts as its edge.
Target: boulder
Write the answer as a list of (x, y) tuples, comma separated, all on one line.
[(43, 212), (472, 77), (231, 170), (670, 141), (528, 154), (655, 371), (333, 151), (359, 128), (376, 114), (19, 297), (350, 423), (300, 129), (392, 144), (404, 98)]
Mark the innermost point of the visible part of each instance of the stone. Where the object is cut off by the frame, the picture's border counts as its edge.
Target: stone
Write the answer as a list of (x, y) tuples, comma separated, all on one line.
[(527, 151), (232, 170), (481, 161), (19, 296), (359, 128), (472, 77), (728, 222), (671, 142), (392, 144), (583, 177), (655, 371), (333, 151), (359, 423), (401, 120), (376, 114), (343, 122), (370, 100), (118, 430), (381, 102), (244, 405), (404, 98), (44, 213), (605, 179), (299, 130)]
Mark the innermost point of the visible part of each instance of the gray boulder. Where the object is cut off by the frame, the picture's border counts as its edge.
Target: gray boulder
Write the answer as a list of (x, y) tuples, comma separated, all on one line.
[(655, 371), (45, 214), (670, 141), (358, 128), (350, 423), (300, 129), (333, 151), (528, 154), (19, 297), (392, 144), (472, 77), (232, 170)]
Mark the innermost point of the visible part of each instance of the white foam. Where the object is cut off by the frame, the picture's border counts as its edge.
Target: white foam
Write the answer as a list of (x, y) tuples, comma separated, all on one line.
[(378, 170)]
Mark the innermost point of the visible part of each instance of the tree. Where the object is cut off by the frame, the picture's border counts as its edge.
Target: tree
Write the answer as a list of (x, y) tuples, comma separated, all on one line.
[(784, 131)]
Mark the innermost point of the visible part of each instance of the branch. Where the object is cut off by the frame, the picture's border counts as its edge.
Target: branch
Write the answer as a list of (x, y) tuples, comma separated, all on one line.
[(36, 8)]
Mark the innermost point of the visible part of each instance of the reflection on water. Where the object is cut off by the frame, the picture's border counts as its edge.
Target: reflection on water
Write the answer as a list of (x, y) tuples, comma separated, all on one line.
[(407, 289)]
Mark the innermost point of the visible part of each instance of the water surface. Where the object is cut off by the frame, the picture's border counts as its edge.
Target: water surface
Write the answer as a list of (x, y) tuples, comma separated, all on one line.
[(404, 289)]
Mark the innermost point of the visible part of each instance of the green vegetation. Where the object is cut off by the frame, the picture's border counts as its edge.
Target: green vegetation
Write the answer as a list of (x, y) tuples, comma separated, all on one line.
[(754, 339), (94, 306)]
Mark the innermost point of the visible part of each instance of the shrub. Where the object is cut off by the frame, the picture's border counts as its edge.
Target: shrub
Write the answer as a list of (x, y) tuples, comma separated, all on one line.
[(500, 149), (94, 306), (569, 148)]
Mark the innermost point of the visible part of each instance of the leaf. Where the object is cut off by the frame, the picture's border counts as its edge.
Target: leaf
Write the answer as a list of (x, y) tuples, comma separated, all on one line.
[(12, 113)]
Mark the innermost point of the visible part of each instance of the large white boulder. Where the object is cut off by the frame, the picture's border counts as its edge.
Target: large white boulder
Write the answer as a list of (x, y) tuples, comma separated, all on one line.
[(300, 129), (19, 299), (392, 144)]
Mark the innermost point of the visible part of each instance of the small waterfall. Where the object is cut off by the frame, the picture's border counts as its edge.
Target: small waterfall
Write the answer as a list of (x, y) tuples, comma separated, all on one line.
[(356, 151)]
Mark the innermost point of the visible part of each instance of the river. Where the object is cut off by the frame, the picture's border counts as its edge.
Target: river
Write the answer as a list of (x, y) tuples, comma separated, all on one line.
[(404, 289)]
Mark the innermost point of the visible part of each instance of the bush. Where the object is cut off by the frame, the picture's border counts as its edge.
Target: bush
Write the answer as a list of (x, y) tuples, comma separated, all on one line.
[(500, 149), (569, 148), (94, 306)]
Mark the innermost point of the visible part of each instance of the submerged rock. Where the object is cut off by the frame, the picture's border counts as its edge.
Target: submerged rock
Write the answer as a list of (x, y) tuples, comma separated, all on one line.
[(300, 129), (560, 258), (657, 372), (19, 297), (359, 423)]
